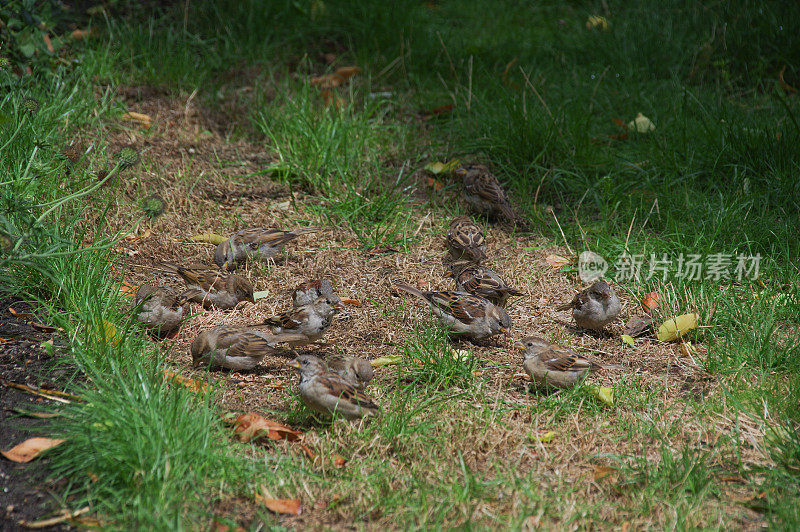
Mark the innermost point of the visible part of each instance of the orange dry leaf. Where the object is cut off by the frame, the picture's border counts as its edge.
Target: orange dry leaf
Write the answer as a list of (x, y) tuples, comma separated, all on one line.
[(329, 97), (524, 376), (48, 43), (279, 506), (350, 301), (79, 35), (192, 384), (17, 314), (336, 79), (45, 328), (601, 472), (128, 289), (651, 301), (557, 261), (338, 460), (251, 426), (435, 184), (30, 449)]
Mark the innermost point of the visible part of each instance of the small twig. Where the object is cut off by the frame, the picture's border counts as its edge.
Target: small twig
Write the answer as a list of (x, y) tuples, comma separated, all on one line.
[(66, 515), (53, 395)]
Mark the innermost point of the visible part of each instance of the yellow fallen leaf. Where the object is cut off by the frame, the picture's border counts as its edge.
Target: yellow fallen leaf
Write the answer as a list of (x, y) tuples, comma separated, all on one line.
[(641, 124), (460, 354), (387, 360), (686, 349), (603, 393), (440, 167), (210, 238), (139, 118), (108, 332), (597, 21), (547, 437), (674, 328), (627, 339)]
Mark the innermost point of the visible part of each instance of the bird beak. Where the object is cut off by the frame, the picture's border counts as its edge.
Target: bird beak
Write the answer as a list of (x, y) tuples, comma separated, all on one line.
[(293, 364), (519, 346)]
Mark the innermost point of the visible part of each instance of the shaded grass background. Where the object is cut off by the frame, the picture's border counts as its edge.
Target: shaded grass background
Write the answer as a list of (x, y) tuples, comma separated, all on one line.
[(534, 94)]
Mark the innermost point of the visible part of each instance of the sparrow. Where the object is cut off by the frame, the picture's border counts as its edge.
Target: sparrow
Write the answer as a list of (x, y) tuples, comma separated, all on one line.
[(551, 365), (328, 393), (483, 191), (481, 281), (463, 313), (311, 320), (157, 308), (235, 348), (310, 291), (465, 240), (259, 243), (355, 370), (213, 288), (594, 307)]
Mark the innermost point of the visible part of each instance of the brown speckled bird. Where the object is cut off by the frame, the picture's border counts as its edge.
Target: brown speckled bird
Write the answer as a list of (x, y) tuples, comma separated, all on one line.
[(481, 281), (328, 393), (594, 307), (310, 320), (552, 365), (259, 243), (463, 313), (465, 240), (483, 191), (213, 288), (157, 308), (237, 348), (355, 370)]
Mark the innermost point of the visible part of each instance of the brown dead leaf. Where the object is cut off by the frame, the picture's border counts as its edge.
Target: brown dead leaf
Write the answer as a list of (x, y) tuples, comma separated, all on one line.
[(252, 426), (18, 314), (435, 184), (30, 449), (523, 376), (128, 289), (192, 384), (601, 472), (350, 301), (339, 461), (80, 35), (436, 111), (48, 43), (785, 86), (335, 79), (557, 261), (45, 328), (278, 506)]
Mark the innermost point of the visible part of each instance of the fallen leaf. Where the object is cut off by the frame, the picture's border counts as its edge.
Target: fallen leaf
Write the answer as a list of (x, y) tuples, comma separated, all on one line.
[(557, 261), (30, 449), (440, 167), (639, 325), (252, 426), (601, 472), (604, 394), (641, 124), (38, 415), (674, 328), (339, 461), (651, 301), (785, 86), (279, 506), (133, 237), (192, 384), (260, 295), (128, 289), (108, 333), (547, 437), (18, 314), (48, 43), (350, 301), (686, 349), (79, 35), (598, 22), (330, 98), (435, 184), (45, 328), (523, 376), (387, 360), (209, 238), (628, 340), (335, 79), (140, 118)]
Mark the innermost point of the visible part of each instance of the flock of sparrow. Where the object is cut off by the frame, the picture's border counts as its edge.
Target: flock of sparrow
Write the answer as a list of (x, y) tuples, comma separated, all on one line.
[(474, 311)]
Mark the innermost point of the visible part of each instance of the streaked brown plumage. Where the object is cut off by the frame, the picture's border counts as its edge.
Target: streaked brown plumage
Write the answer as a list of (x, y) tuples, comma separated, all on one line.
[(594, 307), (483, 191), (355, 370), (552, 365), (235, 348), (260, 243), (465, 240), (157, 308), (310, 291), (481, 281), (328, 393), (310, 320), (212, 288)]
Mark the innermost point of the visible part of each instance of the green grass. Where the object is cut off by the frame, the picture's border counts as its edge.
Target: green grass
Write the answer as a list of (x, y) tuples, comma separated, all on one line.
[(534, 94)]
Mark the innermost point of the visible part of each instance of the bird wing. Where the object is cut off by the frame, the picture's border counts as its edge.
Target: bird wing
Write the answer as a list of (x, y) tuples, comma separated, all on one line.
[(287, 320), (466, 308), (564, 360), (337, 387), (246, 344)]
